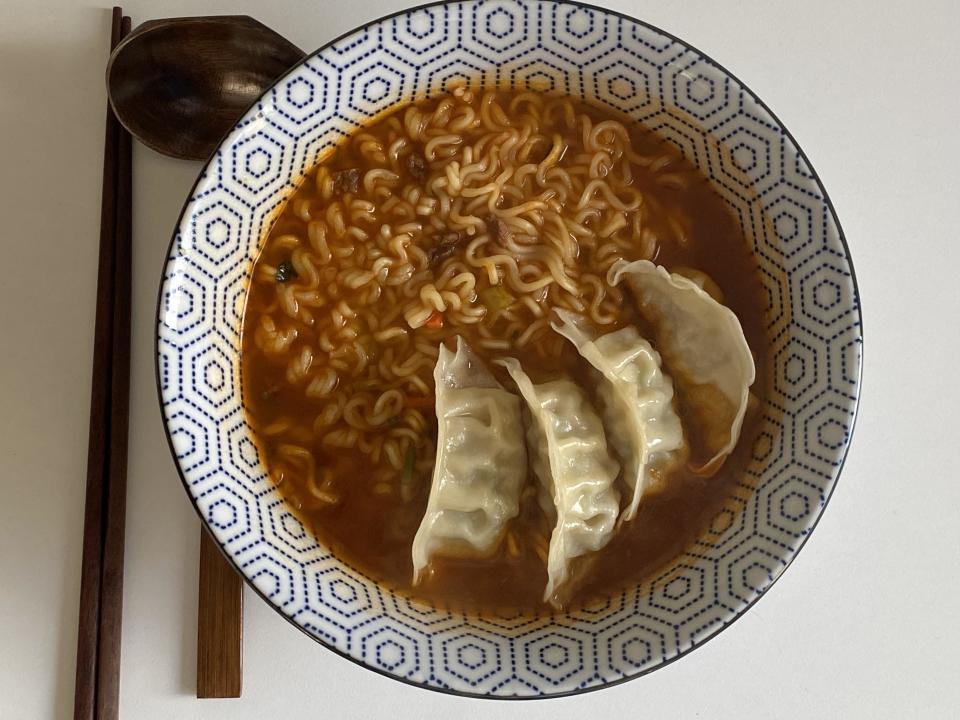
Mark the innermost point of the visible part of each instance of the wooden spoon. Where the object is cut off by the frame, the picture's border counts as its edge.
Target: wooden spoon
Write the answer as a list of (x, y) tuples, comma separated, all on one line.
[(178, 86)]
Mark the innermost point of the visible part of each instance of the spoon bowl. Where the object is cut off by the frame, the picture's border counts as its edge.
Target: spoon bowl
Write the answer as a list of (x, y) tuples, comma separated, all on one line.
[(178, 85)]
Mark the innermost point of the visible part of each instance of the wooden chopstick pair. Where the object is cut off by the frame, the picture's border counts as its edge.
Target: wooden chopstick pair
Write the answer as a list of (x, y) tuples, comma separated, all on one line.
[(97, 687)]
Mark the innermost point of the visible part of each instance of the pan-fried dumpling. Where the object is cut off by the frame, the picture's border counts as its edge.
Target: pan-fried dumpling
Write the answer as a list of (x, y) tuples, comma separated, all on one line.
[(636, 399), (575, 470), (703, 346), (481, 462)]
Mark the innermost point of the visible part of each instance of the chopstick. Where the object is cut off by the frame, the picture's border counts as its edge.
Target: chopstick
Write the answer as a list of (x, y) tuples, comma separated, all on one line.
[(219, 624), (88, 628), (96, 692), (111, 582)]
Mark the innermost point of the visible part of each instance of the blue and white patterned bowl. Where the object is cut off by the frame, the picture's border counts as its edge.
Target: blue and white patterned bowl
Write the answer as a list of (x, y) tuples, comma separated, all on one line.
[(609, 59)]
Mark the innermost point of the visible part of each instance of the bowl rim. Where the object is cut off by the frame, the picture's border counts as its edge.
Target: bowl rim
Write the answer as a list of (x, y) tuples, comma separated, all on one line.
[(855, 400)]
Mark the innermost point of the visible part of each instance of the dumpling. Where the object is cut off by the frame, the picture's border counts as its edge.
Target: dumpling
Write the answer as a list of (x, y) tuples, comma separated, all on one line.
[(703, 346), (480, 466), (636, 399), (576, 472)]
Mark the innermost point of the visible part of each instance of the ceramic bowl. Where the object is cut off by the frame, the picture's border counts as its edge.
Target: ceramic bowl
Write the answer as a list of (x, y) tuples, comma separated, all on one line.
[(610, 60)]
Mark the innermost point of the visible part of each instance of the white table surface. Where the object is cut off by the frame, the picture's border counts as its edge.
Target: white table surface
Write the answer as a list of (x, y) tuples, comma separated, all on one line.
[(866, 623)]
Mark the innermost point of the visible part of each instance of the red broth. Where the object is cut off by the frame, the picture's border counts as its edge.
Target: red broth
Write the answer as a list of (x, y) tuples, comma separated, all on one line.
[(371, 525)]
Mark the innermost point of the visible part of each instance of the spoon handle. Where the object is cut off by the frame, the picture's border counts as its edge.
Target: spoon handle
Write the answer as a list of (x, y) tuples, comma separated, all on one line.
[(219, 624)]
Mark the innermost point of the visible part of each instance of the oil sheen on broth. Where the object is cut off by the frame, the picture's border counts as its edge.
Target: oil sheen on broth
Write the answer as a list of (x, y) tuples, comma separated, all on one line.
[(472, 214)]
